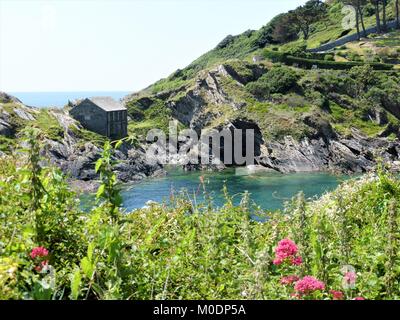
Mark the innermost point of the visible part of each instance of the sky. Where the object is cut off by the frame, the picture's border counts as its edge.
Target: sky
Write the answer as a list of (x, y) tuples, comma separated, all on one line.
[(115, 45)]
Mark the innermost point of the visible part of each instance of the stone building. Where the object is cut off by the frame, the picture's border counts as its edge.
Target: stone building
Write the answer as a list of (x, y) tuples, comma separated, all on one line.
[(103, 115)]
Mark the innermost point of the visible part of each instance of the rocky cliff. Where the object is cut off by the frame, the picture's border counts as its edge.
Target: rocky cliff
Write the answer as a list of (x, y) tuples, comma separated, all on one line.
[(66, 144), (314, 120)]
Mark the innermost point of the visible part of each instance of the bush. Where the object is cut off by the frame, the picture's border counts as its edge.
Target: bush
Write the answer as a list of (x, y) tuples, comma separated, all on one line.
[(336, 65), (347, 241), (329, 57), (228, 40), (259, 88), (281, 79), (310, 63), (352, 56)]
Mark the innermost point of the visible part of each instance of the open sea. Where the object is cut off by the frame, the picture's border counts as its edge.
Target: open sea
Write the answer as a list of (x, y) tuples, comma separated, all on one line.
[(60, 99)]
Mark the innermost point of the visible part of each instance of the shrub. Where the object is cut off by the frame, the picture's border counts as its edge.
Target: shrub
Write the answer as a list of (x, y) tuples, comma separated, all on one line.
[(281, 79), (259, 88), (329, 57), (352, 56), (309, 63), (336, 65)]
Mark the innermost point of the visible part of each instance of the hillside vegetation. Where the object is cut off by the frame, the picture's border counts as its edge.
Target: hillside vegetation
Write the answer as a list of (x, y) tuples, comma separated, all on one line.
[(310, 116), (343, 246), (252, 42), (338, 105)]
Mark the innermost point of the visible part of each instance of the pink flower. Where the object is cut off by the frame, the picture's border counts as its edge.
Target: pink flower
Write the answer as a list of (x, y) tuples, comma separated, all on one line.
[(287, 251), (350, 278), (337, 295), (359, 298), (39, 252), (289, 280), (297, 261), (308, 285)]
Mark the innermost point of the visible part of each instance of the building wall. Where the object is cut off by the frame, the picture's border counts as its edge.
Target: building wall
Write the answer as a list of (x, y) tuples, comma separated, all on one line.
[(91, 117), (118, 124), (112, 124)]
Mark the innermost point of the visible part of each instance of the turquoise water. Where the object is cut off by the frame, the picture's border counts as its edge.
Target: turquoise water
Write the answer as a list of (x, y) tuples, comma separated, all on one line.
[(60, 99), (268, 190)]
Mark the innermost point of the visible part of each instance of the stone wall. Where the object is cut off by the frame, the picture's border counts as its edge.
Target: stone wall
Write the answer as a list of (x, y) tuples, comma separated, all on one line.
[(352, 37), (91, 117)]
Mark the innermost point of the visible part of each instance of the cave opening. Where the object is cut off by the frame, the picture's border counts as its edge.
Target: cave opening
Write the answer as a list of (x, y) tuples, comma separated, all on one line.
[(243, 146)]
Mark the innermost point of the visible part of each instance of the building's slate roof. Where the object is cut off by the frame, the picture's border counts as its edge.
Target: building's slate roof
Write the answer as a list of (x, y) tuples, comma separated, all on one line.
[(107, 103)]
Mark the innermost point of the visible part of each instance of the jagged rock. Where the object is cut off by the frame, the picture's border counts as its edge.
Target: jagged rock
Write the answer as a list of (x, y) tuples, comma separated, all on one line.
[(7, 98), (256, 72), (6, 129), (322, 127), (341, 100), (295, 156), (23, 114)]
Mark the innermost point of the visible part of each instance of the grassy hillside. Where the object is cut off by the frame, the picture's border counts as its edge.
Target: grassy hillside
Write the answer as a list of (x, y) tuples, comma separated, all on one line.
[(250, 43), (280, 100)]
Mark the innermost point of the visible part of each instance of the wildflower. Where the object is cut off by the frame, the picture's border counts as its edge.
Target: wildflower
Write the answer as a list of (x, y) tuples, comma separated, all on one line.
[(308, 285), (39, 252), (359, 298), (337, 295), (289, 280), (297, 261), (287, 251)]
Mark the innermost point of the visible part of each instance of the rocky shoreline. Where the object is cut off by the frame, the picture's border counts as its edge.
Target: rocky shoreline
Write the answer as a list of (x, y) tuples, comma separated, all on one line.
[(323, 150)]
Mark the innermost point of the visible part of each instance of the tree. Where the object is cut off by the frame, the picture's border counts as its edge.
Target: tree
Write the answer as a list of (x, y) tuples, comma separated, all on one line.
[(377, 15), (397, 14), (283, 29), (304, 16), (361, 5), (384, 4)]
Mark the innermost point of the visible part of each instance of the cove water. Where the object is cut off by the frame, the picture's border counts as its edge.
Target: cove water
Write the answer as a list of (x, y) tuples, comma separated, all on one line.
[(268, 190), (60, 99)]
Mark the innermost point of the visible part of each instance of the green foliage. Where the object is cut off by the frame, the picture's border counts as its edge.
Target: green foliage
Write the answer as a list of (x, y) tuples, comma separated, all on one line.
[(182, 250), (188, 251), (154, 116), (259, 88), (108, 189), (335, 65), (279, 79), (85, 135)]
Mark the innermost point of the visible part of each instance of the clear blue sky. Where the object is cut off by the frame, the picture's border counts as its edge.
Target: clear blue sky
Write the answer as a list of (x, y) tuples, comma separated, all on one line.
[(104, 45)]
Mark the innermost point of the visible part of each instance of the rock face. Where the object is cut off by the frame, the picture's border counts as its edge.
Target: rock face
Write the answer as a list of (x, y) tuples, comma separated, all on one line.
[(7, 98), (347, 155), (77, 160), (74, 155), (322, 148), (189, 108), (5, 128)]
